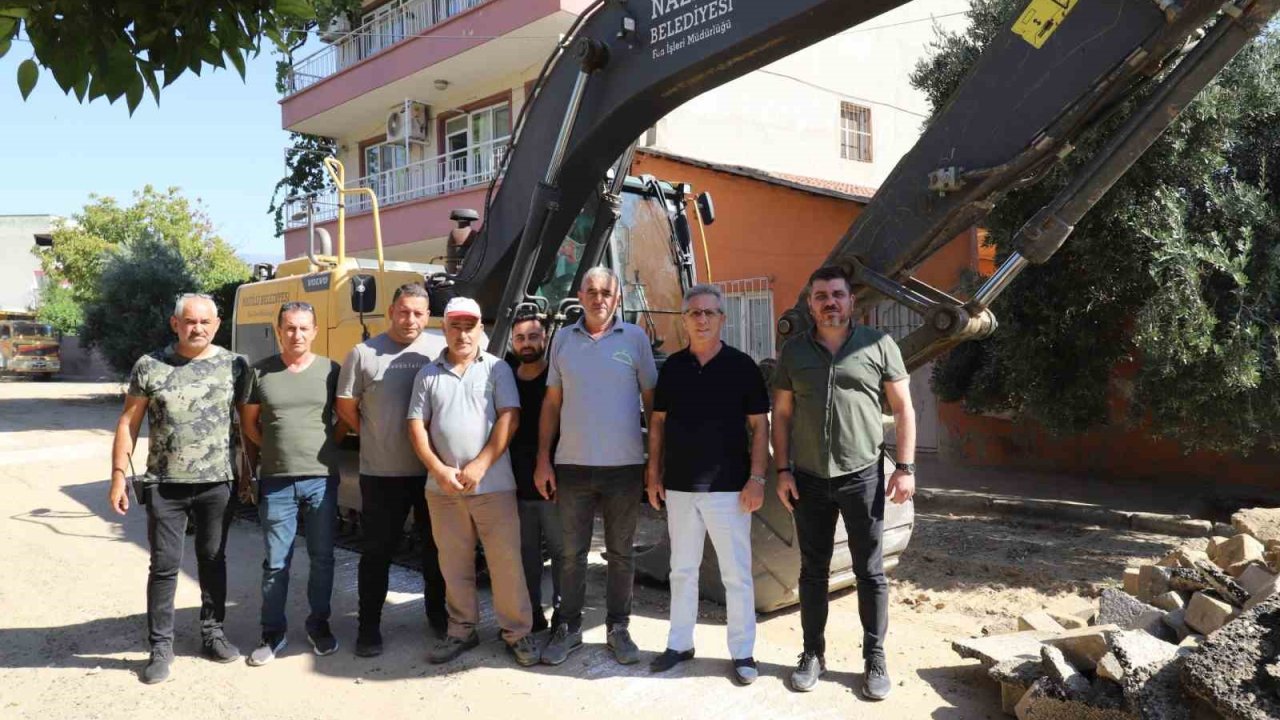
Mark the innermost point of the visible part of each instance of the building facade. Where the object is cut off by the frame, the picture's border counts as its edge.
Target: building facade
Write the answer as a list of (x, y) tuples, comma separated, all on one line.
[(419, 98), (20, 274)]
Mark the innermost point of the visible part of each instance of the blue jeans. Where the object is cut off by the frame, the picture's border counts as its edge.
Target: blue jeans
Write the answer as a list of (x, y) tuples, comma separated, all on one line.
[(279, 501)]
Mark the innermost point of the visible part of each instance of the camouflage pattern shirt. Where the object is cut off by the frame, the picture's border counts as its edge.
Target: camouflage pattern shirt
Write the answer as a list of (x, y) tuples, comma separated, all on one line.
[(189, 413)]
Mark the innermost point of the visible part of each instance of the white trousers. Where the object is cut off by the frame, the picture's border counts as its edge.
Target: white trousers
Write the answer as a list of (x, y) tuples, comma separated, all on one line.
[(690, 518)]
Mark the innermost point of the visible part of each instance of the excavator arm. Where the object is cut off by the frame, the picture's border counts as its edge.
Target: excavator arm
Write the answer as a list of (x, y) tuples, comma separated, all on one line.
[(1058, 70)]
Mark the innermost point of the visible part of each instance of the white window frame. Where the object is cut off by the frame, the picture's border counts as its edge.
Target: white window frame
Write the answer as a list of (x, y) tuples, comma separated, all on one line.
[(748, 322), (856, 140)]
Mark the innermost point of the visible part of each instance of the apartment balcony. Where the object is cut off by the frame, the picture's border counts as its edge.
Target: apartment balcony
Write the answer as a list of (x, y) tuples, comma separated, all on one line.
[(414, 202), (403, 49)]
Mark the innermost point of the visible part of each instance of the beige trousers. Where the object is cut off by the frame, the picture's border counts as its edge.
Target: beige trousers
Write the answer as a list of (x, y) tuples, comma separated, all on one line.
[(457, 521)]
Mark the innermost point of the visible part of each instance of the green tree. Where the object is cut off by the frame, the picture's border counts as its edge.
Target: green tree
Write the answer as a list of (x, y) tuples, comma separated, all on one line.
[(58, 308), (123, 48), (136, 294), (1176, 270), (83, 245), (304, 173)]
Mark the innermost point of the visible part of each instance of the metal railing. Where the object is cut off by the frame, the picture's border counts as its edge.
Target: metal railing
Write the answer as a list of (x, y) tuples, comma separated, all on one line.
[(439, 175), (380, 29)]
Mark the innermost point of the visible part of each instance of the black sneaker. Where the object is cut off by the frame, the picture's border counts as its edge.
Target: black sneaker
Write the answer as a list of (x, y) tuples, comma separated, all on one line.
[(807, 672), (322, 640), (669, 659), (368, 643), (451, 647), (624, 648), (267, 650), (218, 649), (157, 669), (875, 682), (745, 670), (562, 642)]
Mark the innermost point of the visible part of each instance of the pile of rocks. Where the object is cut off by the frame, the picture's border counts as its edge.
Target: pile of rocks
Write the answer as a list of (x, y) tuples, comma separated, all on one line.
[(1194, 635)]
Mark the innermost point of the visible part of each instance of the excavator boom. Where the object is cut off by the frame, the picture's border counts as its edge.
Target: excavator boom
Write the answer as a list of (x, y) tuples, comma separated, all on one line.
[(1058, 69)]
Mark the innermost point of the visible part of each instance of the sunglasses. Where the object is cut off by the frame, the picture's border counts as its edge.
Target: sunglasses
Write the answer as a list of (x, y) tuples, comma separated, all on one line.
[(699, 314)]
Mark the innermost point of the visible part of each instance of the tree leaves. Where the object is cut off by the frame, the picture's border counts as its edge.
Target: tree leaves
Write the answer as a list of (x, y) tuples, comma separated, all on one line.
[(1162, 310), (28, 73), (121, 48)]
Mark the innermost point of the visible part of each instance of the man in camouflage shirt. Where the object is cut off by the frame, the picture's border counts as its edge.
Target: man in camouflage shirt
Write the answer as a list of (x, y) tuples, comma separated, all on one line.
[(187, 392)]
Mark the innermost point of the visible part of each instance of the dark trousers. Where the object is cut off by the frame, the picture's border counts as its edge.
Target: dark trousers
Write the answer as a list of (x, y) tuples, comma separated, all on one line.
[(617, 492), (540, 520), (385, 504), (167, 507), (859, 498)]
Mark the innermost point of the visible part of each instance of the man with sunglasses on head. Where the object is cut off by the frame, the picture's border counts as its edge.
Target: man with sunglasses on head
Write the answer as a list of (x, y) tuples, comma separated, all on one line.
[(288, 417), (187, 392), (374, 389)]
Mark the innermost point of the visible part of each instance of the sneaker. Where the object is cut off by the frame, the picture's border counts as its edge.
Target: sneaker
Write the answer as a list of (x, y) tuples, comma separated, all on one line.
[(368, 643), (624, 650), (267, 650), (562, 642), (218, 649), (807, 672), (451, 647), (875, 682), (669, 659), (157, 669), (524, 651), (322, 640), (745, 670)]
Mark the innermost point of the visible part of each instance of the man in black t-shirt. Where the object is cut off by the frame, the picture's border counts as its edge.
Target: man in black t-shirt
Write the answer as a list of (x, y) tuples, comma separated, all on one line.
[(539, 517), (710, 473)]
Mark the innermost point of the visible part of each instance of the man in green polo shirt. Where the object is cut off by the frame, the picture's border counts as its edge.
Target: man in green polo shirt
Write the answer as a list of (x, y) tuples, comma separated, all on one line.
[(827, 442)]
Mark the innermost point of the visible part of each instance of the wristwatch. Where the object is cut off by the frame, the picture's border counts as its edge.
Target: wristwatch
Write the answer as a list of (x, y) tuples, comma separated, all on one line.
[(908, 468), (758, 479)]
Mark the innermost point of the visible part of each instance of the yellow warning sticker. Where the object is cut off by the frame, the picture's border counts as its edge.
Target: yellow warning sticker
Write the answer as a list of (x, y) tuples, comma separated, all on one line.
[(1041, 19)]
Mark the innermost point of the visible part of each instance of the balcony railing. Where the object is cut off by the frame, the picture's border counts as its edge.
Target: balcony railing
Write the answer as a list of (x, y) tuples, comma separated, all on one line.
[(439, 175), (380, 29)]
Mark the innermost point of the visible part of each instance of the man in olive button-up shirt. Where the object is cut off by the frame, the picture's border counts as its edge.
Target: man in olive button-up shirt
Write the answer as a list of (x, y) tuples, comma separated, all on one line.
[(827, 442)]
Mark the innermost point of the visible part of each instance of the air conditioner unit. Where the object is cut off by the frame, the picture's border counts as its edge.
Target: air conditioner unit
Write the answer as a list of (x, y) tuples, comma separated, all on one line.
[(337, 27), (416, 126)]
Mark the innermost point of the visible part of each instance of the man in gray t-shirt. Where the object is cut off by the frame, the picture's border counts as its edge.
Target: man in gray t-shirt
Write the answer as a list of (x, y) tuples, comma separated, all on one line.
[(464, 411), (599, 387), (373, 398)]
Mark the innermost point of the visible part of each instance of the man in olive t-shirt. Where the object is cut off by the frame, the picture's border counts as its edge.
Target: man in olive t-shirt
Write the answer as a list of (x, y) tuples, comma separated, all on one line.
[(288, 416)]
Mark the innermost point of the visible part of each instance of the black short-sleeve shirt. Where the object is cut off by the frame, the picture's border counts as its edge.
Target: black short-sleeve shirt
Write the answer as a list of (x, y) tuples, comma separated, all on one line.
[(524, 446), (705, 439)]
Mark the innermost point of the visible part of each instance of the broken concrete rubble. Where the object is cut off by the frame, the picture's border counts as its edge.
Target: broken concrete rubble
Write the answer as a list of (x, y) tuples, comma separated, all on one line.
[(1183, 556), (1206, 614), (1046, 701), (1077, 686), (1177, 621), (1039, 620), (1121, 608), (1239, 549), (1169, 601), (1229, 671), (1262, 523), (1153, 580), (996, 649), (1083, 647)]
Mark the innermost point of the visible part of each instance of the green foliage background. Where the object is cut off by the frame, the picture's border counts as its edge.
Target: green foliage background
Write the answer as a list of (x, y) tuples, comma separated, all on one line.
[(1177, 268)]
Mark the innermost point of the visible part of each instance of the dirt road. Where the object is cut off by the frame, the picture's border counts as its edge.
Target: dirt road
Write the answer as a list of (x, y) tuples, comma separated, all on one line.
[(72, 628)]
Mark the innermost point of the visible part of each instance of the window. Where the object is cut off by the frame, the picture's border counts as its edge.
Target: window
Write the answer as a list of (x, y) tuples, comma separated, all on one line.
[(386, 172), (748, 316), (474, 144), (855, 132)]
